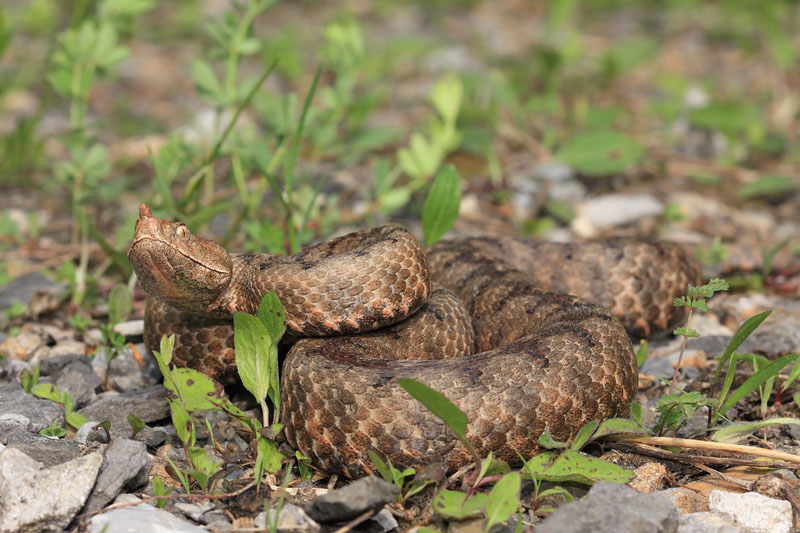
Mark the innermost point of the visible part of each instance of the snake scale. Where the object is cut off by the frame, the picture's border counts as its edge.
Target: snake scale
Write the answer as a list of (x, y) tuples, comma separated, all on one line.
[(488, 322)]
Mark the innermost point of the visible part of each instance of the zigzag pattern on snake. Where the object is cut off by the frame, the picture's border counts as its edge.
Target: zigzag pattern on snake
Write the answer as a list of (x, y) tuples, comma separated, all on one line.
[(486, 322)]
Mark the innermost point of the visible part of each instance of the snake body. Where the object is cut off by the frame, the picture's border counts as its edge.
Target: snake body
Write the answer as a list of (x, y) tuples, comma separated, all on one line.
[(486, 322)]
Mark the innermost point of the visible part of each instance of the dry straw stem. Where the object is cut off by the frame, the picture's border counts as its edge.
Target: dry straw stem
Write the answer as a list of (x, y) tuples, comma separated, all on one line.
[(707, 445)]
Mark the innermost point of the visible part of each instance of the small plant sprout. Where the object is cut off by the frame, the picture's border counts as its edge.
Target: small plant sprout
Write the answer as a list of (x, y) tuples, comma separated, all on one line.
[(695, 299)]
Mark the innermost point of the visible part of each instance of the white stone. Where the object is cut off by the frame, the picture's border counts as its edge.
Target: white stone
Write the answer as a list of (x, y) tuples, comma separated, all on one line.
[(143, 518), (708, 523), (613, 210), (754, 511)]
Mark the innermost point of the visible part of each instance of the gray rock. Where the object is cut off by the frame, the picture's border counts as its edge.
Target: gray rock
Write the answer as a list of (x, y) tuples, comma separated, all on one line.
[(79, 379), (205, 513), (385, 520), (14, 463), (125, 373), (83, 433), (125, 465), (706, 522), (660, 367), (291, 518), (611, 507), (141, 518), (612, 210), (12, 368), (41, 413), (131, 328), (26, 289), (52, 366), (153, 437), (49, 451), (753, 511), (148, 404), (47, 500), (352, 501)]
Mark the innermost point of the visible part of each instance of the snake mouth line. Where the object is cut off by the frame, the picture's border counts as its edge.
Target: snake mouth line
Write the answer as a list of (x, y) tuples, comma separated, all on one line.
[(163, 242)]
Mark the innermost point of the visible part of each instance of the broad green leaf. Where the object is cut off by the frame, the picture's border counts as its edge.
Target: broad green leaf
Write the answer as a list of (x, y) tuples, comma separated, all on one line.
[(769, 186), (182, 422), (446, 97), (570, 465), (160, 490), (584, 434), (76, 420), (273, 316), (614, 426), (547, 441), (197, 391), (736, 432), (206, 81), (252, 343), (120, 304), (454, 504), (503, 499), (47, 391), (441, 206), (136, 423), (269, 456), (437, 404), (600, 152), (754, 381)]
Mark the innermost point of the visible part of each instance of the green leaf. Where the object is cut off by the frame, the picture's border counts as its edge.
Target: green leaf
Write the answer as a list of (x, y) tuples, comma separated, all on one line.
[(252, 343), (446, 97), (136, 423), (615, 426), (47, 391), (53, 430), (441, 206), (503, 499), (197, 391), (383, 470), (641, 353), (160, 490), (75, 420), (600, 152), (182, 422), (769, 186), (754, 381), (120, 303), (546, 440), (736, 432), (454, 504), (269, 457), (570, 465), (272, 315), (206, 81), (584, 434), (437, 404)]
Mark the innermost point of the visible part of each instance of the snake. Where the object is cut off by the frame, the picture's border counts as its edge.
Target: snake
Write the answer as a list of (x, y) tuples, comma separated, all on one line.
[(522, 336)]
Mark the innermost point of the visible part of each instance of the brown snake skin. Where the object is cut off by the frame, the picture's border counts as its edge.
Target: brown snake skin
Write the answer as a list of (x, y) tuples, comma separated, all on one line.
[(535, 359)]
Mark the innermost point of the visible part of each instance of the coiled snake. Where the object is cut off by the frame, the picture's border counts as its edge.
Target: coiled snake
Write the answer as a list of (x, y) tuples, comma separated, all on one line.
[(474, 318)]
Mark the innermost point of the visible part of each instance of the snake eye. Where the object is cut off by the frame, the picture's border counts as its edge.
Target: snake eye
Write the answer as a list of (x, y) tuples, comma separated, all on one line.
[(183, 232)]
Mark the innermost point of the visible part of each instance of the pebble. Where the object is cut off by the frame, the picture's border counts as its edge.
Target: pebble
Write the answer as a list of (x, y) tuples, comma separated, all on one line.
[(649, 477), (754, 511), (612, 210), (48, 499), (35, 291), (130, 328), (143, 518), (126, 464), (78, 378), (353, 500), (126, 374), (610, 507), (707, 522)]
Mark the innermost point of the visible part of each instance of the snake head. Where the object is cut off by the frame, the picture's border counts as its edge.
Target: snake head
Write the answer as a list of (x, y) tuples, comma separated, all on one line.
[(178, 268)]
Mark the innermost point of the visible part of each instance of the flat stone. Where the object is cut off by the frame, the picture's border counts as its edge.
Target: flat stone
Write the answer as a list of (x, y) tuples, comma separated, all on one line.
[(754, 511), (126, 464), (291, 518), (125, 374), (41, 413), (649, 477), (143, 518), (613, 210), (130, 328), (47, 500), (148, 404), (47, 450), (686, 500), (25, 345), (352, 501), (52, 366), (611, 507), (14, 463), (707, 522)]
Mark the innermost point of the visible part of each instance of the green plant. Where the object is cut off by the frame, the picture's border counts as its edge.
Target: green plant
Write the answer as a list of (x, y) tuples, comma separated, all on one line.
[(54, 430), (393, 475), (120, 304), (30, 379), (63, 398), (160, 490)]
